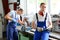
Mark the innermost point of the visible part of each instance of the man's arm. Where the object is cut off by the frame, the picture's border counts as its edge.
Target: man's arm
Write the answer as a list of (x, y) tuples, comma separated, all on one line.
[(50, 25), (26, 20), (33, 22), (33, 25), (8, 17), (49, 22), (21, 22)]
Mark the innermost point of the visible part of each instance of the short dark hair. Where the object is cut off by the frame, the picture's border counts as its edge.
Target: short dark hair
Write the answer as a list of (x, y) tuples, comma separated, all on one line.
[(20, 9), (42, 4)]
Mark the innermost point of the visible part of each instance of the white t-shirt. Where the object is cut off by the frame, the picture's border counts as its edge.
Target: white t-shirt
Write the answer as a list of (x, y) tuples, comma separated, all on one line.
[(42, 18), (13, 14)]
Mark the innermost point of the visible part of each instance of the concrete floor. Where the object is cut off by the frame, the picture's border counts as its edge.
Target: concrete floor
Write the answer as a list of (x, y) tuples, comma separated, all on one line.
[(2, 38)]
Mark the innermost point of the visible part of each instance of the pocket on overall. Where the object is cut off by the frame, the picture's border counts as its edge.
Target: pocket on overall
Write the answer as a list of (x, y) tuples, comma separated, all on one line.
[(12, 24), (41, 24)]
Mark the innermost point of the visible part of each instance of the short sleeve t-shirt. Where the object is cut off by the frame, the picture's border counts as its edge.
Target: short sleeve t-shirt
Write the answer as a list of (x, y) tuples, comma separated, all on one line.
[(42, 18), (13, 14)]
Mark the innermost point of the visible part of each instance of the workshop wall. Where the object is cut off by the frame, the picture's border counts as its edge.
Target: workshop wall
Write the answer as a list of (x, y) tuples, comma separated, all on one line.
[(1, 12)]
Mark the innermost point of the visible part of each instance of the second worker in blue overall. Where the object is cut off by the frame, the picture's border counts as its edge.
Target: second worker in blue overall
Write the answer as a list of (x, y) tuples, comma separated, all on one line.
[(13, 18), (43, 22)]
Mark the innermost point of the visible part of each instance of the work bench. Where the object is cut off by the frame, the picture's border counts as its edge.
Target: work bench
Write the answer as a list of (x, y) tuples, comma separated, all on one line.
[(28, 35)]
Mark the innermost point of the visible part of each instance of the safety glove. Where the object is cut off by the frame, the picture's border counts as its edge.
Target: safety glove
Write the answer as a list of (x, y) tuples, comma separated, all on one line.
[(14, 20)]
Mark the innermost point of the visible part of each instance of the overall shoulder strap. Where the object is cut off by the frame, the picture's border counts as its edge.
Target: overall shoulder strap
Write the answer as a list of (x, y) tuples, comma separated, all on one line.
[(36, 16), (20, 17), (46, 16), (15, 14)]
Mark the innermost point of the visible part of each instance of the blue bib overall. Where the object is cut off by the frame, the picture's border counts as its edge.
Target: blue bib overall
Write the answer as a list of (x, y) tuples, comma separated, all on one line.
[(12, 33), (44, 35)]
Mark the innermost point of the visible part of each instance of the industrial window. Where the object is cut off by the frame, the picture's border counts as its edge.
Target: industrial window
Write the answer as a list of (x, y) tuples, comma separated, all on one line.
[(55, 6), (33, 6)]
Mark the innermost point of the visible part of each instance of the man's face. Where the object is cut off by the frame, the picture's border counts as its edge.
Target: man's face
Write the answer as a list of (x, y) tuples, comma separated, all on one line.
[(43, 7), (20, 12)]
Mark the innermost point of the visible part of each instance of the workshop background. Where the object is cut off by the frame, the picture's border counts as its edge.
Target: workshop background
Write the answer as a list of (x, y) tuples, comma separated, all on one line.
[(30, 7)]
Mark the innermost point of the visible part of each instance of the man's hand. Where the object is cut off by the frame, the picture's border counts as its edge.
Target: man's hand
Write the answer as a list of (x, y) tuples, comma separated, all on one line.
[(25, 19), (21, 22), (50, 25)]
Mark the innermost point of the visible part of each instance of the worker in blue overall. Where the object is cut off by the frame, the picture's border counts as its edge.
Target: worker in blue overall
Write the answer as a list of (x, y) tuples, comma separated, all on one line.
[(13, 18), (42, 23)]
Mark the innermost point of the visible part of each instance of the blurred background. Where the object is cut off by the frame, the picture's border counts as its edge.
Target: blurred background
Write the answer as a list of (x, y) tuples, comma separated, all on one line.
[(31, 7)]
